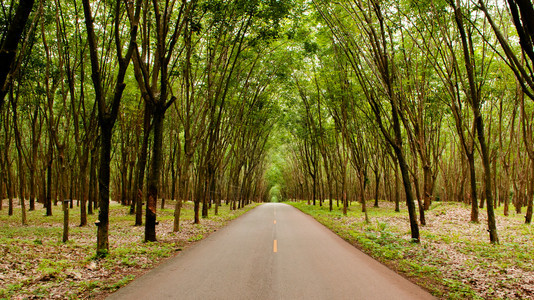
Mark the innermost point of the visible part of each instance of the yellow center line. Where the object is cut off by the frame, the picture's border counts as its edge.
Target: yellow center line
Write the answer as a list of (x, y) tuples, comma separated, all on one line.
[(275, 246)]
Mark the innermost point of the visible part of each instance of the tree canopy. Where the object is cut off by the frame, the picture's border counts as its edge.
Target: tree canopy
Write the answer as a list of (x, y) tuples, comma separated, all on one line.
[(230, 102)]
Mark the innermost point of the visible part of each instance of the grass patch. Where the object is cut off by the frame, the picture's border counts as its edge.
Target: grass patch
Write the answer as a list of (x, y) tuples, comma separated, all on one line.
[(122, 282)]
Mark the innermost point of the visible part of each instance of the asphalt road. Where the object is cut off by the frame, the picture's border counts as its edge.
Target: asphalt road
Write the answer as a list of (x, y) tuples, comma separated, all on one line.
[(272, 252)]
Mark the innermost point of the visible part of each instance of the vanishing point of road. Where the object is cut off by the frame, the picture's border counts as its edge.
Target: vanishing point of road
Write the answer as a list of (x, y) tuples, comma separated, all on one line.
[(272, 252)]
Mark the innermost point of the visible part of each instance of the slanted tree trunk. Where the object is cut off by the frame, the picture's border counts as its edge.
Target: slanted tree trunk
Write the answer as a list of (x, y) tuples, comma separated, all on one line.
[(474, 99), (530, 196), (427, 187), (473, 187), (20, 160), (8, 49), (363, 184)]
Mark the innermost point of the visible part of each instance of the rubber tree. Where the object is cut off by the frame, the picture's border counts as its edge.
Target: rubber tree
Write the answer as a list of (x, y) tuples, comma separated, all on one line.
[(521, 12), (374, 53), (170, 20), (474, 97), (108, 109), (434, 39)]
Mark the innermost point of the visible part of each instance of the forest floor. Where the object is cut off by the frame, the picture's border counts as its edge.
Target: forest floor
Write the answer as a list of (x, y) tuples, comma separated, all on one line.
[(35, 264), (454, 260)]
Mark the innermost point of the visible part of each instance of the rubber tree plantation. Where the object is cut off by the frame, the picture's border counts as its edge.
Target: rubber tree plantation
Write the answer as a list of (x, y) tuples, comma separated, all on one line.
[(131, 129)]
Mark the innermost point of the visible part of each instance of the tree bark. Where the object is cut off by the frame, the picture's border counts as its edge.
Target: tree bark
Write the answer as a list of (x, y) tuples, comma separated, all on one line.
[(528, 216), (49, 157), (141, 166), (153, 177), (102, 241), (397, 188), (8, 49), (473, 187)]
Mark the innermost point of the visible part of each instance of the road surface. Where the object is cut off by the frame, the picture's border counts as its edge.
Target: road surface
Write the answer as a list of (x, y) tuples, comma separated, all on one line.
[(272, 252)]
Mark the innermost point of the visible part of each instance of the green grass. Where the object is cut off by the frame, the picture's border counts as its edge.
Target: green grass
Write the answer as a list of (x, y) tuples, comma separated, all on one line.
[(122, 282)]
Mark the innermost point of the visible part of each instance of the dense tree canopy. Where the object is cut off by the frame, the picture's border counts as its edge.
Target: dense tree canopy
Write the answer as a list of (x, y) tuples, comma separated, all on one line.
[(228, 102)]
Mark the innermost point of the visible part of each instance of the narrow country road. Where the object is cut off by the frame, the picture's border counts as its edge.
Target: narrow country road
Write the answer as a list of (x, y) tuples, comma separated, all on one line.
[(272, 252)]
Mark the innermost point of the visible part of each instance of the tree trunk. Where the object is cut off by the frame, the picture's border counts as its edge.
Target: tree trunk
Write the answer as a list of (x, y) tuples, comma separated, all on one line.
[(344, 191), (183, 193), (492, 228), (473, 185), (528, 216), (427, 187), (21, 187), (102, 243), (48, 201), (377, 185), (141, 166), (61, 187), (129, 188), (397, 188), (420, 204), (177, 211), (20, 172), (474, 98), (2, 193), (33, 163), (92, 182), (123, 173), (314, 187), (153, 177), (196, 201), (409, 194), (84, 197), (362, 196), (330, 196), (9, 190), (8, 49), (206, 198)]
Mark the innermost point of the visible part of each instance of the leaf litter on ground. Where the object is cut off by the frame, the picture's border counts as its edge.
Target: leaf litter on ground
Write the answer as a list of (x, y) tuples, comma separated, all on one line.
[(35, 264)]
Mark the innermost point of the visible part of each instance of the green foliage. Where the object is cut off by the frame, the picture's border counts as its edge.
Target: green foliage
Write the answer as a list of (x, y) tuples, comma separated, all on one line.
[(129, 261), (53, 268), (459, 290), (253, 65), (89, 285), (122, 282), (5, 293), (195, 238)]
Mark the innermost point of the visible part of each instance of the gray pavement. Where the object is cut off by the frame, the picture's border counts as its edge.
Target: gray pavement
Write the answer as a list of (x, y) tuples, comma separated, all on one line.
[(272, 252)]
